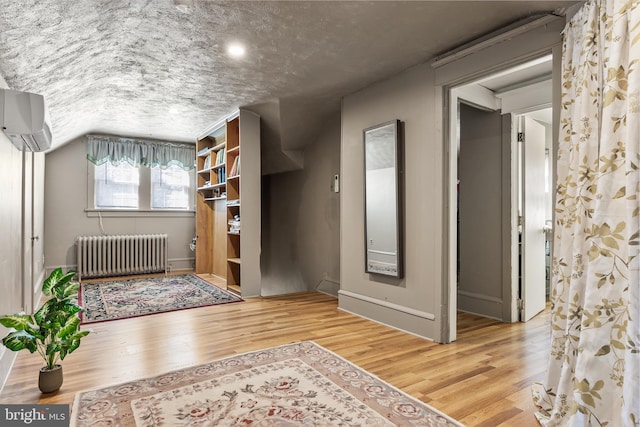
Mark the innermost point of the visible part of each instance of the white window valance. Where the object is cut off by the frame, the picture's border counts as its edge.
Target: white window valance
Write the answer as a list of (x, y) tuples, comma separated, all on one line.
[(139, 152)]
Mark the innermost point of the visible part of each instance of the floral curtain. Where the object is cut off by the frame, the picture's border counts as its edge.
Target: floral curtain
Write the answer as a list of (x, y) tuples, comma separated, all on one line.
[(593, 377), (139, 152)]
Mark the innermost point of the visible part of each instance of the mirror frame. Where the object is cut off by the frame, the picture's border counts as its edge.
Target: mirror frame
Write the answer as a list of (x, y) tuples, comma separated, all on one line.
[(398, 175)]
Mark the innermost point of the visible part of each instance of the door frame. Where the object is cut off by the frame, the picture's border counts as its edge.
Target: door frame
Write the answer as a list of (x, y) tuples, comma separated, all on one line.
[(509, 273), (450, 100)]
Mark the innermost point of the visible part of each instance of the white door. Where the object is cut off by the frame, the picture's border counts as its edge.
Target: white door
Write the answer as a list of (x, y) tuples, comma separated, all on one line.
[(533, 273), (32, 229)]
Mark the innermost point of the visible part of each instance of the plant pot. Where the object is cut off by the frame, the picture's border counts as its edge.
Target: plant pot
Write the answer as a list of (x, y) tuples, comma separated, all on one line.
[(50, 380)]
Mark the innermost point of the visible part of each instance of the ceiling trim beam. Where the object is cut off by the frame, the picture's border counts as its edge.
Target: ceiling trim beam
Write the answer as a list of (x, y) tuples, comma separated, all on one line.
[(509, 32)]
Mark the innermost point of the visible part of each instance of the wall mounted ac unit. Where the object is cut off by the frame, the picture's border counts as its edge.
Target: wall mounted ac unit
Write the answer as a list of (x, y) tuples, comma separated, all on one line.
[(22, 119)]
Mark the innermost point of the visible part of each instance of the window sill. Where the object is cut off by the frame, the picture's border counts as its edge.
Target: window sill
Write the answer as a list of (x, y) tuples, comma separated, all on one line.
[(123, 213)]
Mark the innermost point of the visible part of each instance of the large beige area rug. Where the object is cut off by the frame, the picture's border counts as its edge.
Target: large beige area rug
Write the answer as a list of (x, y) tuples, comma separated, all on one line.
[(301, 384)]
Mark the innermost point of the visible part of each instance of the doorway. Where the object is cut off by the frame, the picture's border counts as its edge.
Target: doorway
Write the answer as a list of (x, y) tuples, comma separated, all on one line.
[(502, 138), (481, 252)]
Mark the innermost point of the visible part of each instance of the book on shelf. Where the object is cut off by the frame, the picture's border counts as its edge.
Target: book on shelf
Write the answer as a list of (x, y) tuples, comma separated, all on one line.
[(235, 167), (220, 175), (203, 151), (220, 157), (207, 162)]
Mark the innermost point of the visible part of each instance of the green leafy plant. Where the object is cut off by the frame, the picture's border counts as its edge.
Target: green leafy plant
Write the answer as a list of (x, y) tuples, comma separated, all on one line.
[(54, 330)]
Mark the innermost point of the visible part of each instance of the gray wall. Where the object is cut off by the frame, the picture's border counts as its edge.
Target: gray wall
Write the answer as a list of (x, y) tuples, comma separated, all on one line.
[(480, 208), (411, 303), (250, 195), (301, 223), (424, 302), (300, 218), (65, 203)]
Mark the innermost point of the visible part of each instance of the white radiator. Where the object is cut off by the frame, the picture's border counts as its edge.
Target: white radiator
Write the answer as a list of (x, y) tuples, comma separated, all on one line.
[(101, 256)]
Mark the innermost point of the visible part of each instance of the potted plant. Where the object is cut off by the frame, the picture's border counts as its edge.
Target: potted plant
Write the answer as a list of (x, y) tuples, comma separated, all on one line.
[(53, 331)]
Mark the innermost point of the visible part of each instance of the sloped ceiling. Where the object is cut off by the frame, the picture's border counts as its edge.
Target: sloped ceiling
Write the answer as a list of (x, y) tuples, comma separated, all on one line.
[(147, 69)]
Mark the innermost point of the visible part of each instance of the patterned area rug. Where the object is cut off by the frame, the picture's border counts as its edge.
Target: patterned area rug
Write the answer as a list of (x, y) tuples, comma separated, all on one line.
[(301, 384), (138, 297)]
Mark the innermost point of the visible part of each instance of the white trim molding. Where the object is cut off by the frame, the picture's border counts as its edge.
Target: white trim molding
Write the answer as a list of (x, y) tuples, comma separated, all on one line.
[(507, 33), (7, 357), (480, 304), (480, 297), (387, 304), (415, 322)]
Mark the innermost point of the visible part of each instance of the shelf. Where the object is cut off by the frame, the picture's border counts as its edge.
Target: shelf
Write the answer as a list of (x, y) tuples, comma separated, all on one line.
[(204, 153), (212, 168), (212, 149), (233, 150), (233, 203), (233, 177), (211, 187), (230, 233), (211, 199), (234, 260), (219, 146)]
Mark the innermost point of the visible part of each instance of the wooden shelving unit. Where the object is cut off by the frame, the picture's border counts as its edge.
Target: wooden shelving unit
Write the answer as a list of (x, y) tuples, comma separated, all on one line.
[(233, 207), (211, 168), (228, 243), (210, 198)]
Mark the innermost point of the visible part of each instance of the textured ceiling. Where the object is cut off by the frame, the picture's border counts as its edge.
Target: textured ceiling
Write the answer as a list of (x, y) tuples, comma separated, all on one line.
[(144, 68)]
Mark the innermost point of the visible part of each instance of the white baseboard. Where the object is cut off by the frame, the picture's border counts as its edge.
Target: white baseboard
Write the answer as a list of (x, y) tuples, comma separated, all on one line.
[(480, 304), (415, 322), (182, 264), (175, 264), (7, 357), (329, 287)]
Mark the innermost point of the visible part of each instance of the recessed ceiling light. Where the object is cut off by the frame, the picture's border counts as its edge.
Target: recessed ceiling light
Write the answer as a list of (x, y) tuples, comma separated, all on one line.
[(183, 6), (236, 50)]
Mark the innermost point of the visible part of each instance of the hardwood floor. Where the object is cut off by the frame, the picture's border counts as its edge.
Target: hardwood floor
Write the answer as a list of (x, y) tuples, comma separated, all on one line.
[(482, 379)]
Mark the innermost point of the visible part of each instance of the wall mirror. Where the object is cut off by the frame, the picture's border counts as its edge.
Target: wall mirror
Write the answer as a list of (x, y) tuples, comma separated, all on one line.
[(383, 201)]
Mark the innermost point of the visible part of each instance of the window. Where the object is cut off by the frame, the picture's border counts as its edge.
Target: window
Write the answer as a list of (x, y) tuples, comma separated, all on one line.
[(130, 188), (116, 186), (170, 188), (130, 176)]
